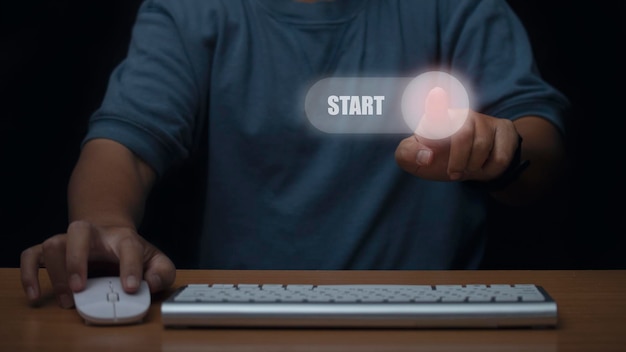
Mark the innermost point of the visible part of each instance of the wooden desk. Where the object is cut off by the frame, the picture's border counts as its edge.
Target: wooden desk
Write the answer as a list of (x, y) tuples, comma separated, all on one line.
[(592, 317)]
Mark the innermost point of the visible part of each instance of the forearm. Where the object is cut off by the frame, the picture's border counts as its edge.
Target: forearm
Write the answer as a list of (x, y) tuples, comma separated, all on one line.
[(109, 185), (543, 146)]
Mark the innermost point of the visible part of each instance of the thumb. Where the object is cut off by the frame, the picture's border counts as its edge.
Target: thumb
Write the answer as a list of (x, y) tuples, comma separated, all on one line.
[(412, 155), (423, 155)]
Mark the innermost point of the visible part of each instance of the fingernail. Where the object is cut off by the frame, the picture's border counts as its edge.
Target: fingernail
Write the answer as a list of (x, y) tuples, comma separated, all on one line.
[(423, 157), (31, 293), (66, 301), (75, 282), (131, 282)]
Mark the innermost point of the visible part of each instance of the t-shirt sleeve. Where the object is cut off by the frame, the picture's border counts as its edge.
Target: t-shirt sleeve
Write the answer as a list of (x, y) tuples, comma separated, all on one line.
[(153, 102), (502, 75)]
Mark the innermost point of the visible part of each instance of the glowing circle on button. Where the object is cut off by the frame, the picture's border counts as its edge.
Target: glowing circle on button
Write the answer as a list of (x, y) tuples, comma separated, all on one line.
[(435, 105)]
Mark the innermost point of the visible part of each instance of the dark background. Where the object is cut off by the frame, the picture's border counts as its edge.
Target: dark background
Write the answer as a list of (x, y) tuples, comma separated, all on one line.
[(56, 56)]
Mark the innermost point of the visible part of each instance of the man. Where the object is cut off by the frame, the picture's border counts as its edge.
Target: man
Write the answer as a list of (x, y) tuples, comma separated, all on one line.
[(282, 195)]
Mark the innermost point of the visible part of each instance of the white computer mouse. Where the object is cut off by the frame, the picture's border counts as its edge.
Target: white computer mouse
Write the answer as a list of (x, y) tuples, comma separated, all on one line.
[(104, 302)]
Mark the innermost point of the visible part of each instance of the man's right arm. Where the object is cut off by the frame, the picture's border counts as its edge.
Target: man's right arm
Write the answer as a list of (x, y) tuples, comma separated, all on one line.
[(109, 185), (106, 197)]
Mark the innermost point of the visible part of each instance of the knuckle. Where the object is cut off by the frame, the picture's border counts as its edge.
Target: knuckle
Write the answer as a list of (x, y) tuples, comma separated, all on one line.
[(466, 131), (130, 241), (54, 243), (79, 225), (500, 162), (507, 123), (125, 234), (482, 145), (26, 254)]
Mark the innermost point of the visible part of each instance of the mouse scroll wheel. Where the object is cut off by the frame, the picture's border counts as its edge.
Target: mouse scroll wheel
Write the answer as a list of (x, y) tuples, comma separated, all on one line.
[(113, 297)]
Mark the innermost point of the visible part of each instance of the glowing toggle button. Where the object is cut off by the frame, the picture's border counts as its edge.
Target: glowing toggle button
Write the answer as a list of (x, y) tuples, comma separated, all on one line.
[(435, 105)]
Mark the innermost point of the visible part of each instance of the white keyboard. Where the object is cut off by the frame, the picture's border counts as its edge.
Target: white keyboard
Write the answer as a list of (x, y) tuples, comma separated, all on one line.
[(406, 306)]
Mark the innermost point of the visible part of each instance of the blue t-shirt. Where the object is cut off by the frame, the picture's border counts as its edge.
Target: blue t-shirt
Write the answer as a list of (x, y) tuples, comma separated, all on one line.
[(282, 195)]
